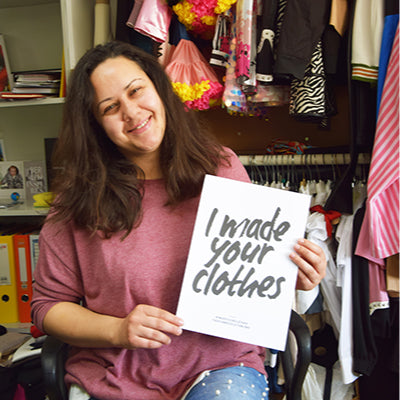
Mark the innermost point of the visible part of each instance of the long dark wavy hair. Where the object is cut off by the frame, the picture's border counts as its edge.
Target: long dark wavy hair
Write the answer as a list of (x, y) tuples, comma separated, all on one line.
[(96, 187)]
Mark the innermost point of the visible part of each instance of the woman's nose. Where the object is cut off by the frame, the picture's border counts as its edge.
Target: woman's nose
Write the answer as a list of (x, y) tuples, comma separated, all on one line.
[(127, 109)]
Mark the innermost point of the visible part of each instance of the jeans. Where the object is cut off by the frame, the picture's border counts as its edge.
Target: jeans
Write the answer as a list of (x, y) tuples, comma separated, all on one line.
[(234, 383)]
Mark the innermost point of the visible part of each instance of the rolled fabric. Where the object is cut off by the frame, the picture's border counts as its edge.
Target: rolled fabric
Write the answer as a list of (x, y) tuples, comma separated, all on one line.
[(102, 26)]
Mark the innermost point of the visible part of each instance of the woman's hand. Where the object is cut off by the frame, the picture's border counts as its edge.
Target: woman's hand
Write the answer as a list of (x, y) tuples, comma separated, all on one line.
[(311, 260), (147, 327)]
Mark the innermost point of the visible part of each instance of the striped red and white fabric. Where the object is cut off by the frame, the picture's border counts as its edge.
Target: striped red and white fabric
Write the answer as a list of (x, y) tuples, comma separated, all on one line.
[(379, 234)]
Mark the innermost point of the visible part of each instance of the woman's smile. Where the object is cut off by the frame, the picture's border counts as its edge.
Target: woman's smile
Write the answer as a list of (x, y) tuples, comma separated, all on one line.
[(138, 128)]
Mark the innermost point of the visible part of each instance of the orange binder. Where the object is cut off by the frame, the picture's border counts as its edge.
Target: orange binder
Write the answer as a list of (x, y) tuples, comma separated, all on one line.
[(23, 271), (8, 286)]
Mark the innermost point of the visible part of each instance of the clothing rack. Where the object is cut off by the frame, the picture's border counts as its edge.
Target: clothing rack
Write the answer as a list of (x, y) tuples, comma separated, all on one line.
[(302, 159)]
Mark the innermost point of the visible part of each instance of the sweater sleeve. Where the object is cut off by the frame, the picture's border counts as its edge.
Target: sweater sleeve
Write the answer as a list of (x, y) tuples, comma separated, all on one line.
[(57, 276)]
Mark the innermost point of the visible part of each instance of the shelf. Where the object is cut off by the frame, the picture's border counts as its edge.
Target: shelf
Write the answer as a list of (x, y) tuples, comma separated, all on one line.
[(23, 3), (34, 102), (23, 210)]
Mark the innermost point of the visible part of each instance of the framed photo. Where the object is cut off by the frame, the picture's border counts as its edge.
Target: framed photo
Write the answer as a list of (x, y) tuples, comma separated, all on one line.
[(12, 180), (6, 77), (2, 151)]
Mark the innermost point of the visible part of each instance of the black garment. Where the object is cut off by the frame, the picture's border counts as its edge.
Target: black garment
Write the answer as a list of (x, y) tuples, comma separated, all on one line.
[(266, 30), (130, 35), (362, 112), (365, 352), (391, 7), (303, 24), (124, 8), (383, 381)]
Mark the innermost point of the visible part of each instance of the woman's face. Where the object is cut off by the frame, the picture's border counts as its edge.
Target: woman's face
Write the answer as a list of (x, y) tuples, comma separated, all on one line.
[(130, 110)]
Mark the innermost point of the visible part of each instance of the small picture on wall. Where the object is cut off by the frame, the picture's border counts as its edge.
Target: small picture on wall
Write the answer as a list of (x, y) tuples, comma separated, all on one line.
[(2, 151)]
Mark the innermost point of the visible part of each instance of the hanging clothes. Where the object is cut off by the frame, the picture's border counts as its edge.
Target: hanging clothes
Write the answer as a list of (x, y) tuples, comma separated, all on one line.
[(379, 236), (136, 38), (317, 233), (389, 31), (365, 352), (221, 39), (233, 97), (307, 95), (303, 24), (344, 237), (367, 38), (362, 99), (152, 19), (265, 40), (246, 29)]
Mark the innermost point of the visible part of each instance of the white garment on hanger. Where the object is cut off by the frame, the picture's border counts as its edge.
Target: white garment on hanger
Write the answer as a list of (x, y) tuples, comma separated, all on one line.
[(344, 235), (316, 232)]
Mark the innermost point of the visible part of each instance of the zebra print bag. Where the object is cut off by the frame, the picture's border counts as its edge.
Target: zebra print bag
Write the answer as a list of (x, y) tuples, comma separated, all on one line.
[(308, 95)]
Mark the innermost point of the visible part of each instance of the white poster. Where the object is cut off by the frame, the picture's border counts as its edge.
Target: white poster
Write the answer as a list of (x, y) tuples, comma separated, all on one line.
[(239, 281)]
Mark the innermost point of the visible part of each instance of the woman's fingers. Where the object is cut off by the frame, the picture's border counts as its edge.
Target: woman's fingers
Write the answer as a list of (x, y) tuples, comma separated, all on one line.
[(150, 327), (311, 260)]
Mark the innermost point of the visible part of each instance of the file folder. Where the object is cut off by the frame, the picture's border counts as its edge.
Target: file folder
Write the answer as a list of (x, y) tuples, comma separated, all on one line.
[(8, 286), (34, 247), (23, 276)]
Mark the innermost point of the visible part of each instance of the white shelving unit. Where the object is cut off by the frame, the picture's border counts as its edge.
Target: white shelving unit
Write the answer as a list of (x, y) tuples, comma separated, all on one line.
[(37, 33), (22, 210)]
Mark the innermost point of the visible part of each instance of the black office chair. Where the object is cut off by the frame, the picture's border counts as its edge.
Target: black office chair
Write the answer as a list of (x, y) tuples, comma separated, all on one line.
[(55, 352)]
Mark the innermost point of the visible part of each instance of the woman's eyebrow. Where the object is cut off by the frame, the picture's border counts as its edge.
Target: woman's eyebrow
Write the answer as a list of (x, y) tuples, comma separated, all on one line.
[(132, 81)]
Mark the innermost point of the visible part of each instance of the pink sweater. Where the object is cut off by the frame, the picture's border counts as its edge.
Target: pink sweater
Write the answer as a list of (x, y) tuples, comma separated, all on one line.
[(112, 277)]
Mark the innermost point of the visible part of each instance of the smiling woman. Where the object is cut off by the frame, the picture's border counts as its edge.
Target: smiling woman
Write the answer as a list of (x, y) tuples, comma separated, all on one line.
[(131, 160)]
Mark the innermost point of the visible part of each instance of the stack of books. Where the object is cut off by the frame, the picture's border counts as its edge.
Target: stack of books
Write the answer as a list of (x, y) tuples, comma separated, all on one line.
[(37, 82)]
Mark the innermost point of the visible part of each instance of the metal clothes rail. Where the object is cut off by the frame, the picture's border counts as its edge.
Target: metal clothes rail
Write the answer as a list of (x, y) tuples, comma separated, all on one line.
[(302, 159)]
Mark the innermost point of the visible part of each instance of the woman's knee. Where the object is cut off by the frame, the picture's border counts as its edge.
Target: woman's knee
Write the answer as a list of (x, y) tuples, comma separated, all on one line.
[(234, 383)]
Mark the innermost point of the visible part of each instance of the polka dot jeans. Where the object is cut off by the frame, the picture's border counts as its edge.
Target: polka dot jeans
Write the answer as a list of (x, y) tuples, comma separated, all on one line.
[(234, 383)]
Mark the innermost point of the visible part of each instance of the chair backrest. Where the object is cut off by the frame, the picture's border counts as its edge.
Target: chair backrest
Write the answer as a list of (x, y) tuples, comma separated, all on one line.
[(54, 355), (295, 362), (55, 352)]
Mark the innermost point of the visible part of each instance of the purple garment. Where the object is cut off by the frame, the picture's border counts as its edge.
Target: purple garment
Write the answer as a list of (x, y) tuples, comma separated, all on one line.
[(112, 277)]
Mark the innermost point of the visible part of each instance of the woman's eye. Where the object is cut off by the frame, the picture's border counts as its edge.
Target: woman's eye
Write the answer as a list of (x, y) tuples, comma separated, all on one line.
[(109, 108), (133, 91)]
